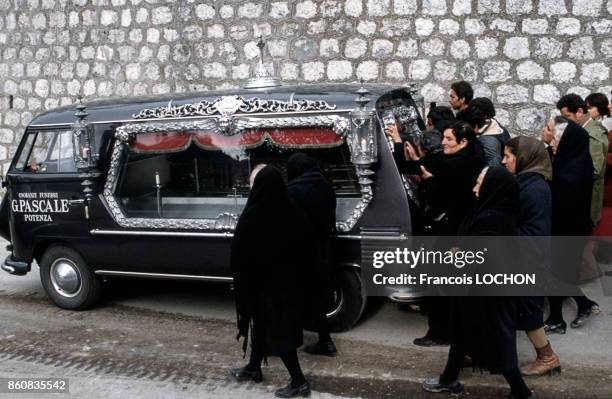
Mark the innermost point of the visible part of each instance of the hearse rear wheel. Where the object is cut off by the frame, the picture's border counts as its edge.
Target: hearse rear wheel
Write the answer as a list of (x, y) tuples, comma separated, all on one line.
[(349, 300), (67, 279)]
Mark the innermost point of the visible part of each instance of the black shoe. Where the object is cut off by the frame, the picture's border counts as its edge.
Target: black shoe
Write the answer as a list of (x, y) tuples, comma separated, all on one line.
[(322, 348), (555, 328), (244, 374), (426, 341), (290, 392), (434, 385), (583, 315)]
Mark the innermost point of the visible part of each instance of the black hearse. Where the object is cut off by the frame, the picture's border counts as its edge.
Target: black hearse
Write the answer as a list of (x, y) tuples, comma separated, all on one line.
[(153, 187)]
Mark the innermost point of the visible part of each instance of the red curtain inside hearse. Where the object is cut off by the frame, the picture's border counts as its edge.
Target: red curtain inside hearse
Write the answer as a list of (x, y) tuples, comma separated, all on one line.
[(290, 138)]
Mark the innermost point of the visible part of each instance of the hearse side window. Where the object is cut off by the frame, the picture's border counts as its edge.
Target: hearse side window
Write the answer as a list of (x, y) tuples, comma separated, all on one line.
[(47, 152), (203, 175)]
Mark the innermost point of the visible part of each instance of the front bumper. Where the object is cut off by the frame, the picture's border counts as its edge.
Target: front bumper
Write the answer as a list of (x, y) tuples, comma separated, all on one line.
[(16, 267)]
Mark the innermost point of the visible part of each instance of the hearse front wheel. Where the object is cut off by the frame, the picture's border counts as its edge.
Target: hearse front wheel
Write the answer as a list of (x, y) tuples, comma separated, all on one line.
[(349, 299), (67, 279)]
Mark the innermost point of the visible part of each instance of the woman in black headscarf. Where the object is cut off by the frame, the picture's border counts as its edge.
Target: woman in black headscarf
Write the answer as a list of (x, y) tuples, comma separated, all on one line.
[(485, 330), (314, 195), (528, 159), (571, 189), (269, 253)]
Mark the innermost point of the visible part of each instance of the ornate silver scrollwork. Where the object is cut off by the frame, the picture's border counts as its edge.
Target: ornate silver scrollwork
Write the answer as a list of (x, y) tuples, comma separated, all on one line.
[(338, 123), (229, 105), (348, 224), (126, 133), (225, 221)]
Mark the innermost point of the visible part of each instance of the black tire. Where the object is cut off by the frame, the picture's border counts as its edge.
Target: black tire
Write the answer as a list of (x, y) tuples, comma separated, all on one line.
[(90, 287), (349, 299)]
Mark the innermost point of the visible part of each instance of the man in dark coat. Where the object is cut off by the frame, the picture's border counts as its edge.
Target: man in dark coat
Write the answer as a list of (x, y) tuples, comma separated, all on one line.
[(314, 195), (571, 189)]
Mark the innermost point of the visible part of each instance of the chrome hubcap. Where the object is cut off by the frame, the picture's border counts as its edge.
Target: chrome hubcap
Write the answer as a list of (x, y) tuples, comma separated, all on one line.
[(65, 278)]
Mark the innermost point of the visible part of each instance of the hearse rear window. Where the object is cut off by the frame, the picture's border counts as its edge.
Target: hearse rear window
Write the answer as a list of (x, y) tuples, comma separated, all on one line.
[(203, 175), (47, 152)]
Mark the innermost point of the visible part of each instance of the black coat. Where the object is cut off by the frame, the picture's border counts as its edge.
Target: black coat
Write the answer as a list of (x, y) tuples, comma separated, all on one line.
[(571, 188), (422, 213), (314, 195), (270, 252), (572, 183), (486, 329), (535, 212), (449, 191), (534, 219)]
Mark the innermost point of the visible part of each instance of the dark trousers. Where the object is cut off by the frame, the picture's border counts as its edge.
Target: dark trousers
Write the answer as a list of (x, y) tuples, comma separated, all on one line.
[(438, 317), (556, 306), (322, 326)]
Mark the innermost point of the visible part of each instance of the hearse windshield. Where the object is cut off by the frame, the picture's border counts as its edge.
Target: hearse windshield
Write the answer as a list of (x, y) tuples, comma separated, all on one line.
[(201, 175), (47, 152)]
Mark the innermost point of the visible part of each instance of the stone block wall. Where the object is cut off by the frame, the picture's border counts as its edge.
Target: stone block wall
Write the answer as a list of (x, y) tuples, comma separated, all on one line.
[(524, 54)]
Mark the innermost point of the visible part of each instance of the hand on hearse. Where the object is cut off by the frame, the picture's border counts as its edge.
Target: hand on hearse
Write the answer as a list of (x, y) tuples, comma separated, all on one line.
[(393, 132), (410, 152), (426, 174)]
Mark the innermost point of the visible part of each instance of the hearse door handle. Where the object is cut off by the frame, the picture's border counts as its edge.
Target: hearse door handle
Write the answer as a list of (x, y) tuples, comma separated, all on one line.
[(74, 201)]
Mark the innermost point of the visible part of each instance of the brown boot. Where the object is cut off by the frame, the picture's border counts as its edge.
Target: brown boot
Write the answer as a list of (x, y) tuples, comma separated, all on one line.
[(547, 362)]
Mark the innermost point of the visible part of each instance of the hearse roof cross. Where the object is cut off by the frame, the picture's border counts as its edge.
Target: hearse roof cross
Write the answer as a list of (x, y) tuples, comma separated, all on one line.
[(262, 77)]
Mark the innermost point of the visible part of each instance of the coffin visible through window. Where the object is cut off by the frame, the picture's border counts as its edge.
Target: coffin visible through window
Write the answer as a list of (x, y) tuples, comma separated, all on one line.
[(202, 175)]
